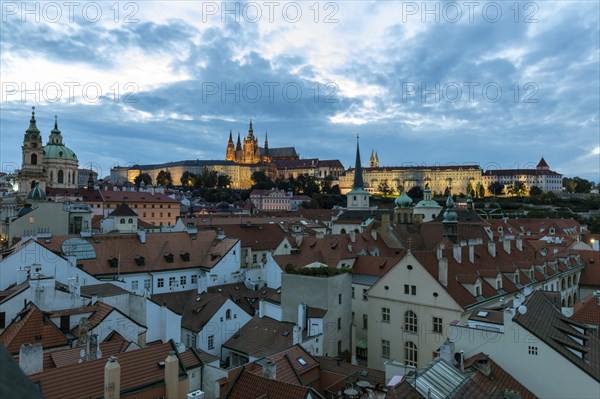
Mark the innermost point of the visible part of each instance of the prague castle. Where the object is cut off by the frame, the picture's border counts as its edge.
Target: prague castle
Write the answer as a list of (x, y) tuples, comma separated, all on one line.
[(52, 165), (250, 153)]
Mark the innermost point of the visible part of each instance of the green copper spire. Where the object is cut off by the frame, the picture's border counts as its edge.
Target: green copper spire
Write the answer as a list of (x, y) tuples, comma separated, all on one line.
[(32, 126), (55, 130)]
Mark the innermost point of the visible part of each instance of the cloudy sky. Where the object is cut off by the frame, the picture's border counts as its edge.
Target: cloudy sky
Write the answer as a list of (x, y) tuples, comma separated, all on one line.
[(494, 83)]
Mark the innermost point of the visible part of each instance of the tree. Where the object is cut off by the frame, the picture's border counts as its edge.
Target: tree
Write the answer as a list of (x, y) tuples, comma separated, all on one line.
[(261, 181), (223, 181), (208, 178), (447, 192), (415, 192), (518, 189), (577, 185), (496, 188), (326, 185), (384, 187), (308, 184), (535, 190), (143, 177), (480, 190), (188, 179), (164, 179)]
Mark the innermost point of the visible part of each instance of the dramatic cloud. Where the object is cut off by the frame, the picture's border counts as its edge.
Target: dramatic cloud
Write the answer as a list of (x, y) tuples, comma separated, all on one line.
[(422, 82)]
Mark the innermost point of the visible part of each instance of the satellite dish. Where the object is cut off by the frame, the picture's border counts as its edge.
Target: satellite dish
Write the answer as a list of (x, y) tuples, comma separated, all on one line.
[(522, 309), (82, 353)]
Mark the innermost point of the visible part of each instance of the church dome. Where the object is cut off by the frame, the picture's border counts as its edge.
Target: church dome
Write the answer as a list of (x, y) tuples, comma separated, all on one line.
[(36, 194), (58, 151), (403, 201), (450, 214)]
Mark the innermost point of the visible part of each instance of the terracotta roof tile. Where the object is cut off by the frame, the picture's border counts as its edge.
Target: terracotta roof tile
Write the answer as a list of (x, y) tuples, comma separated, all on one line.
[(31, 325), (244, 297), (262, 337), (248, 385), (139, 371), (196, 309), (587, 311)]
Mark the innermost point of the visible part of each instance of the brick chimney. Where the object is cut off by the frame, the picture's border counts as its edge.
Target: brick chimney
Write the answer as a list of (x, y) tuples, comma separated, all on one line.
[(112, 379), (269, 369), (172, 376), (457, 251)]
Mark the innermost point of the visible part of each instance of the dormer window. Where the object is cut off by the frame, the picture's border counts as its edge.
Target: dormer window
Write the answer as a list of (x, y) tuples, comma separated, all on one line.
[(552, 230), (185, 256), (169, 258), (499, 283), (113, 262), (140, 261)]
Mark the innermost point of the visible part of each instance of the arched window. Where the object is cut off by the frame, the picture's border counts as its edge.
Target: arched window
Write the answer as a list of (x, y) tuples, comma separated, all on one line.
[(34, 159), (410, 321), (130, 220), (343, 231), (228, 314), (574, 298), (569, 281), (61, 176), (122, 221), (563, 284), (69, 180), (51, 176), (569, 302), (410, 354), (563, 303)]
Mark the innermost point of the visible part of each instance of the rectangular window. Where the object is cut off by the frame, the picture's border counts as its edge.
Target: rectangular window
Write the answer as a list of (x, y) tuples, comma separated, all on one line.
[(134, 285), (406, 289), (364, 294), (339, 323), (533, 350), (413, 290), (172, 281), (182, 280), (211, 342), (385, 349), (339, 299), (339, 347), (146, 283), (194, 279), (160, 282), (254, 258), (193, 340), (365, 321), (352, 292), (385, 315), (437, 324)]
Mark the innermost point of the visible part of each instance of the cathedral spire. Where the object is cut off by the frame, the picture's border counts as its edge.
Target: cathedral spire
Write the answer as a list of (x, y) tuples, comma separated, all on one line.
[(238, 146), (266, 141), (250, 130), (230, 138), (358, 177)]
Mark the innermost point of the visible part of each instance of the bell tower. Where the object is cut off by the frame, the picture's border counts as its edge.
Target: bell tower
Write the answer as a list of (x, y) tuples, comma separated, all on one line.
[(32, 168)]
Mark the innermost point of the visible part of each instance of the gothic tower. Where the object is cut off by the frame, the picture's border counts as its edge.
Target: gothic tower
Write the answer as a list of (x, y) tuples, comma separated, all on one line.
[(230, 155), (32, 169), (374, 161), (358, 198)]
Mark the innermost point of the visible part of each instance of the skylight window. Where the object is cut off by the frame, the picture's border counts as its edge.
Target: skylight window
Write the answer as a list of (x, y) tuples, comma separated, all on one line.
[(482, 313), (302, 361)]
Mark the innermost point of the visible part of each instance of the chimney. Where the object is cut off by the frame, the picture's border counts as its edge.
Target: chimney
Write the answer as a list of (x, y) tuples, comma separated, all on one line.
[(269, 369), (301, 316), (506, 245), (492, 248), (142, 235), (352, 235), (112, 379), (447, 351), (261, 308), (172, 376), (471, 252), (374, 234), (385, 219), (443, 271), (462, 361), (31, 358), (519, 243), (457, 251), (297, 335), (94, 298)]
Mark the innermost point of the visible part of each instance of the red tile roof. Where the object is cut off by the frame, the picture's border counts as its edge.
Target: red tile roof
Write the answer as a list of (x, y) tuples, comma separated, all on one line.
[(30, 326), (262, 337), (196, 309), (247, 385), (587, 311), (140, 371)]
